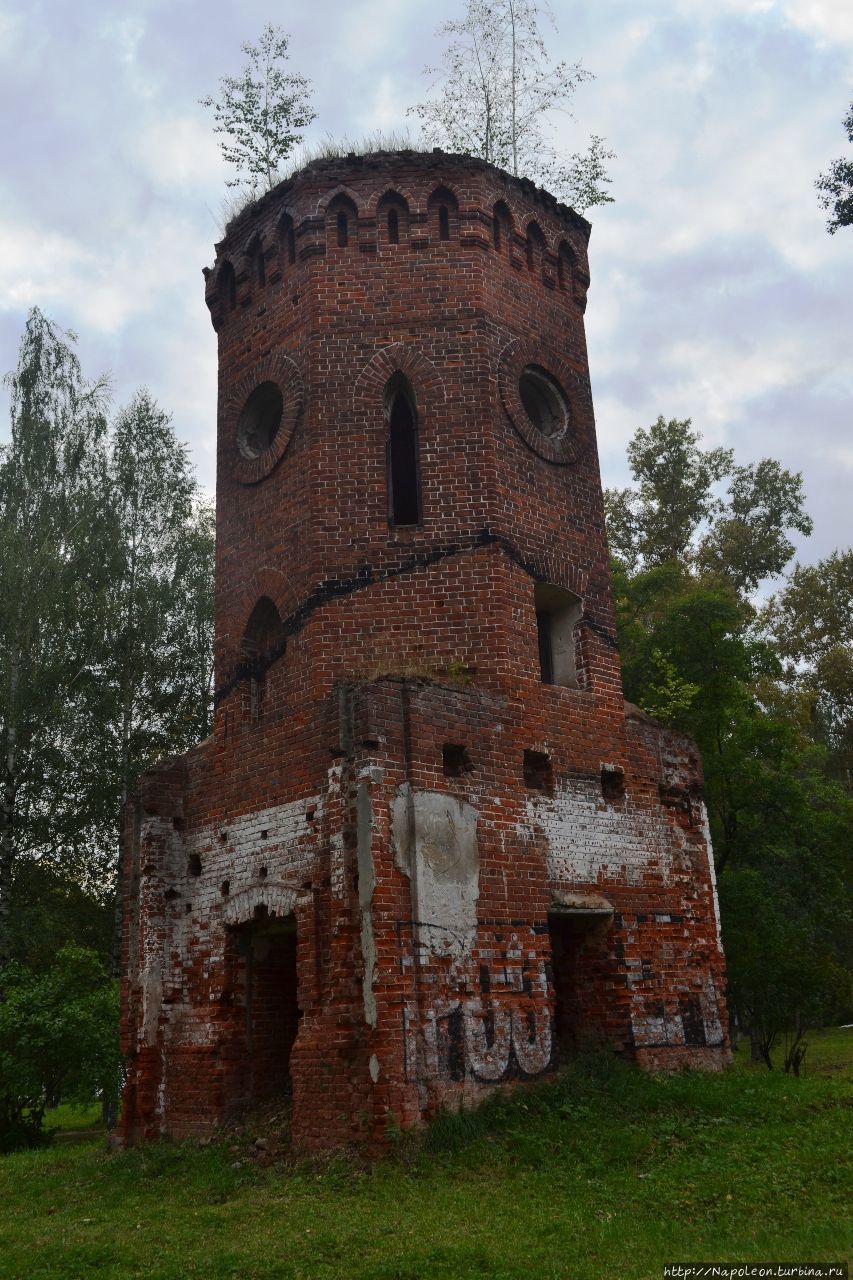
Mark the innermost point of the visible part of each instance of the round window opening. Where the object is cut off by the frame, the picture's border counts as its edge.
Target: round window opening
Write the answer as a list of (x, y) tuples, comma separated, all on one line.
[(260, 420), (544, 402)]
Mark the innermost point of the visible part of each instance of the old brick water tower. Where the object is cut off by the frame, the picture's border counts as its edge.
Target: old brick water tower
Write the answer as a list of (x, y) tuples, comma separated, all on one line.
[(428, 848)]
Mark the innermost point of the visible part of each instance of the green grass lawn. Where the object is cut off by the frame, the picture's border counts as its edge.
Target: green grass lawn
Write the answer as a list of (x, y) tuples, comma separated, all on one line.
[(606, 1172)]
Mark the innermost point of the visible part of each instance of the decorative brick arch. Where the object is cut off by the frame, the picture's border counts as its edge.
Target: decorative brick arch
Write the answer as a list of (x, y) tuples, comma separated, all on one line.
[(399, 357), (372, 203), (340, 190), (439, 183), (280, 369), (547, 566), (580, 434), (278, 899)]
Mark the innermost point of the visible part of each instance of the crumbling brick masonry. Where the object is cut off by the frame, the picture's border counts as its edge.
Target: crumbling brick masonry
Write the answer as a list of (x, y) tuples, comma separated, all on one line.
[(428, 849)]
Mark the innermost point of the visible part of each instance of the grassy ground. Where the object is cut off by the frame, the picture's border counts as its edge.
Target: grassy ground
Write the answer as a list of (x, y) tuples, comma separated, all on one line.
[(605, 1173)]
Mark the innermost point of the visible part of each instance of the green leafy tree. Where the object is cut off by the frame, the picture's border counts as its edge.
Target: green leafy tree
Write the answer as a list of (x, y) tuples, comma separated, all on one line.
[(676, 511), (686, 557), (52, 576), (58, 1042), (151, 696), (498, 93), (810, 623), (261, 113), (835, 187)]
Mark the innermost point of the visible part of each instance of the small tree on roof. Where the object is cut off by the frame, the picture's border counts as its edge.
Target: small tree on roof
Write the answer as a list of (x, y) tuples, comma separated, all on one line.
[(499, 91), (261, 112)]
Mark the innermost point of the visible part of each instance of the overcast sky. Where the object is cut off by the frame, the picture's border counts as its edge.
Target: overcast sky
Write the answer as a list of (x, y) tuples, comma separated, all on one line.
[(716, 292)]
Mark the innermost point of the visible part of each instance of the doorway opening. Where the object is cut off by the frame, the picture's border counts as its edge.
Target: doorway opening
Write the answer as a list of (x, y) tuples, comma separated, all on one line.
[(580, 963), (266, 979)]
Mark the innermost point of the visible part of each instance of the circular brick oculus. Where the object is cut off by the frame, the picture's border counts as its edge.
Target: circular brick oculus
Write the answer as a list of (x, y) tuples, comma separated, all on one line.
[(261, 414), (543, 401), (547, 401), (259, 420)]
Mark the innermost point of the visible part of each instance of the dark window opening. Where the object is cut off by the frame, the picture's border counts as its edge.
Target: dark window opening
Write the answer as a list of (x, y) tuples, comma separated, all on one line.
[(565, 267), (393, 227), (225, 888), (612, 782), (443, 222), (496, 233), (287, 238), (538, 771), (228, 286), (263, 643), (343, 230), (557, 614), (543, 401), (193, 865), (455, 761), (403, 476), (535, 247), (259, 420), (546, 652), (261, 267)]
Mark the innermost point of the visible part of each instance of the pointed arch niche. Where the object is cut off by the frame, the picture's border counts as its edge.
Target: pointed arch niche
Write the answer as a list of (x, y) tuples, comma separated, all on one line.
[(262, 644), (392, 219)]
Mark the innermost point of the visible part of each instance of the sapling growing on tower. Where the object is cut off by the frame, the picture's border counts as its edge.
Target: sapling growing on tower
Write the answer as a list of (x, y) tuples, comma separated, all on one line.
[(261, 112), (499, 92)]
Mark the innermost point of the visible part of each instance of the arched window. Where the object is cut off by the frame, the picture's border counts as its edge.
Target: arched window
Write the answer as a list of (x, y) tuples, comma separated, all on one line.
[(227, 286), (341, 222), (287, 239), (443, 214), (404, 499), (263, 642), (392, 218), (565, 266), (535, 247), (501, 226), (258, 261)]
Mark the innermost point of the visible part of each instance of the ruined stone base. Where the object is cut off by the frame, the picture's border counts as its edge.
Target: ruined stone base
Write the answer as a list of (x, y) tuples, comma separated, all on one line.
[(417, 926)]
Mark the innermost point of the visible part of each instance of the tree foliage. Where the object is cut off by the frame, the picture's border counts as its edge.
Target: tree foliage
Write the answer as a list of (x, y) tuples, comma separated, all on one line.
[(105, 620), (261, 112), (810, 624), (498, 94), (52, 525), (675, 511), (696, 654), (835, 187), (58, 1040)]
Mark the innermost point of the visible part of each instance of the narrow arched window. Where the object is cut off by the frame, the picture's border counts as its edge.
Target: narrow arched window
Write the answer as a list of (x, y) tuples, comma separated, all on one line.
[(287, 239), (263, 643), (443, 222), (496, 233), (404, 504), (228, 286), (393, 227), (343, 230), (260, 267)]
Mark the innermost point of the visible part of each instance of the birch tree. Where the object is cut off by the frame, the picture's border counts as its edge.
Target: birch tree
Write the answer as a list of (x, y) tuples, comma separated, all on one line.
[(261, 113), (500, 94), (52, 580)]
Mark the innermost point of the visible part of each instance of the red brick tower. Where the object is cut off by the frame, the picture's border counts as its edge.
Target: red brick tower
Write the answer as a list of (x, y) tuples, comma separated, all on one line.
[(427, 849)]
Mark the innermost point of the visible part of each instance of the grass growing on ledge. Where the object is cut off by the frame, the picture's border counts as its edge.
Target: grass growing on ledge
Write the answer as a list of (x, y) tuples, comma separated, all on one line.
[(605, 1172)]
